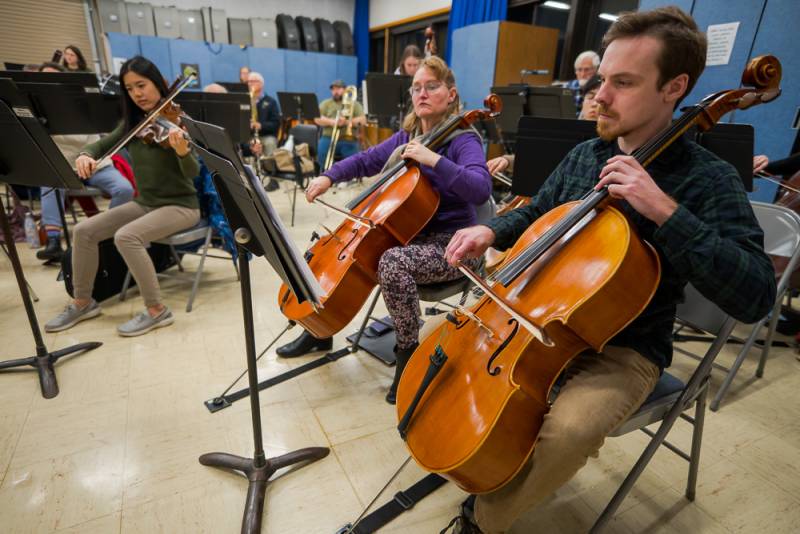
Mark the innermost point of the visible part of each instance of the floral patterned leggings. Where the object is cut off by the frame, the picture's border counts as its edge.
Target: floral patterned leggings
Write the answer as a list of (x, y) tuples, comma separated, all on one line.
[(400, 270)]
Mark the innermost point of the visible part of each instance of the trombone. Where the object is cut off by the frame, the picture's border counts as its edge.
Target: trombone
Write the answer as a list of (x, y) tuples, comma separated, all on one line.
[(348, 103)]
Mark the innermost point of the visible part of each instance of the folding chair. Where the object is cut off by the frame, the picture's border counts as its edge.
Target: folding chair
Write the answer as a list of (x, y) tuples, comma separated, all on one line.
[(781, 228), (201, 230), (302, 133), (671, 398)]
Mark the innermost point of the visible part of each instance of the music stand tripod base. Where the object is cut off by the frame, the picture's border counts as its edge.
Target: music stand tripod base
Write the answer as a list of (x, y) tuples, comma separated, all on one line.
[(257, 469)]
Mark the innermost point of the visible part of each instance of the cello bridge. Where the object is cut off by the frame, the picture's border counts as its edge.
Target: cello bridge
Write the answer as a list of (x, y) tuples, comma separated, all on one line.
[(462, 310)]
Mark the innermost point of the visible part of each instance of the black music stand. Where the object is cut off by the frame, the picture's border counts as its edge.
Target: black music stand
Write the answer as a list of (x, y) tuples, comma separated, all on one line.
[(388, 97), (298, 106), (29, 157), (248, 211)]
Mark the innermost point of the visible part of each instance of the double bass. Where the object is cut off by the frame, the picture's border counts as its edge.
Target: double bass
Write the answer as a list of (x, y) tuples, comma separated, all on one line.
[(389, 213), (472, 398)]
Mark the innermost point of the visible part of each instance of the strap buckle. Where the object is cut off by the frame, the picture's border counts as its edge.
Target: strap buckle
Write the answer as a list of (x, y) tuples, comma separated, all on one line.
[(404, 500)]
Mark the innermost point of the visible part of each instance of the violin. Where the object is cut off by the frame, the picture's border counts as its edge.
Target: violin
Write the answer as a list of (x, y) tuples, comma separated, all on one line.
[(155, 126), (472, 399), (389, 213)]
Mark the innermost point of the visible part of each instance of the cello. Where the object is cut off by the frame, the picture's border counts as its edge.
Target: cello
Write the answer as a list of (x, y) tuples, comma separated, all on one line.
[(387, 214), (472, 398)]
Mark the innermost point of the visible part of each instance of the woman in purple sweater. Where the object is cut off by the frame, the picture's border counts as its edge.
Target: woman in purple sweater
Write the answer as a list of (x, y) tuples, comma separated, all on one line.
[(457, 171)]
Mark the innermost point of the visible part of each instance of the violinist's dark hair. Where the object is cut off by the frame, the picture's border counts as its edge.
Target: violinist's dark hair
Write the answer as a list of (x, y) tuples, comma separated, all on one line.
[(81, 60), (683, 49), (131, 113)]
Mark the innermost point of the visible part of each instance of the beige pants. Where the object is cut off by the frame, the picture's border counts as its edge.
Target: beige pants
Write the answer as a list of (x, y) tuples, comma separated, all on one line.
[(133, 226), (601, 392)]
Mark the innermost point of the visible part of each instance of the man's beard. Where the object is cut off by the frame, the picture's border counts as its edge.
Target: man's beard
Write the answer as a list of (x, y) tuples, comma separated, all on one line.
[(337, 98), (606, 131), (582, 82)]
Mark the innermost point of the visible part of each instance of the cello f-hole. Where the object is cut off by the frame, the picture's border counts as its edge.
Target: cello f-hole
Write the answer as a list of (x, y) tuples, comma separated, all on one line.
[(496, 370)]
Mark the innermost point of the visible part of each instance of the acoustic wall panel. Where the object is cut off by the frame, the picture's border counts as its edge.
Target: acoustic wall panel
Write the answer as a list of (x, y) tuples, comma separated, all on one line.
[(299, 75), (326, 71), (271, 64), (156, 50), (474, 54), (113, 16), (140, 19), (773, 121), (167, 22), (191, 53), (347, 69), (240, 32), (191, 24), (686, 5), (265, 33), (226, 60), (123, 45)]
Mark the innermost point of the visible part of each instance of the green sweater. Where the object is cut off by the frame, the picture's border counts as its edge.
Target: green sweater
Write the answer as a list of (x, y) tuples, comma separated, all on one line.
[(162, 177)]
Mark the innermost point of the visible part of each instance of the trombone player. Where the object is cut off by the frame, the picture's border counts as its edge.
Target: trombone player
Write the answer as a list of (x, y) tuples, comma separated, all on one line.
[(329, 110)]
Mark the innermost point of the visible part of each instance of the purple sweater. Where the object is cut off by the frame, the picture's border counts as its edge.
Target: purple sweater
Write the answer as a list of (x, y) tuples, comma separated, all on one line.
[(460, 177)]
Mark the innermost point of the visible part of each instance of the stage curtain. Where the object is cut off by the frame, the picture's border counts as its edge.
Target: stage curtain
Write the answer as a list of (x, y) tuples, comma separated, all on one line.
[(466, 12), (361, 37)]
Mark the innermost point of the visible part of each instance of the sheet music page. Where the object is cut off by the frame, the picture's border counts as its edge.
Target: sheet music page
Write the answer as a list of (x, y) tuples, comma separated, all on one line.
[(308, 275)]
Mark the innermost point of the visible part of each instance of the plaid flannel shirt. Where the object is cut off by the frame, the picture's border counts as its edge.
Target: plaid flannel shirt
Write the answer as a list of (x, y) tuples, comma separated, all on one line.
[(712, 240)]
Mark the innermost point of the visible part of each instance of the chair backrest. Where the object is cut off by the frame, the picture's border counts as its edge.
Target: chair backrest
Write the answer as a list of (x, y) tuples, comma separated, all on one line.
[(698, 311), (306, 133), (486, 211), (781, 228)]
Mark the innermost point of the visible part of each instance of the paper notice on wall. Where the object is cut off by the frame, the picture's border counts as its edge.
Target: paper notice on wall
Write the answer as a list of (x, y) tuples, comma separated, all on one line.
[(720, 43), (116, 64)]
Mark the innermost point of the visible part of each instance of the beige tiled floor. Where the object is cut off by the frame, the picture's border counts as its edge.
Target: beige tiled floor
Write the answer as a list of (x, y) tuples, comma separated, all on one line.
[(117, 450)]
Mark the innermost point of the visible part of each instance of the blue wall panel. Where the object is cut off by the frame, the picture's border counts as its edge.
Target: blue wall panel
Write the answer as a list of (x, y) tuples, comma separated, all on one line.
[(326, 70), (473, 59), (719, 77), (270, 63), (347, 69), (193, 52), (226, 60), (299, 75), (772, 121), (156, 50), (123, 45)]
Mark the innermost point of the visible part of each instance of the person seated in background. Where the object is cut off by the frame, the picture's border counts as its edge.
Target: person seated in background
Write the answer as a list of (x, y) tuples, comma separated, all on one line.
[(588, 111), (269, 116), (214, 88), (244, 74), (585, 67), (328, 110), (783, 167), (167, 203), (409, 61), (73, 60), (106, 178)]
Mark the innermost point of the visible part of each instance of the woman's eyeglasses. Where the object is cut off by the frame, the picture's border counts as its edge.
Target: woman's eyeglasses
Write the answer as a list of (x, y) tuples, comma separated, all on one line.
[(429, 88)]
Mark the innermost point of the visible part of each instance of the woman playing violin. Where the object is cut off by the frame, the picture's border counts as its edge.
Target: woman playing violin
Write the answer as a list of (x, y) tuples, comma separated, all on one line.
[(167, 203), (457, 171)]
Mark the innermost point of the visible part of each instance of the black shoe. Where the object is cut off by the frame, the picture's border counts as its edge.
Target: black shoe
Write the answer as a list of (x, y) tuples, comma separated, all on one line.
[(303, 345), (464, 522), (52, 251), (401, 357), (272, 185)]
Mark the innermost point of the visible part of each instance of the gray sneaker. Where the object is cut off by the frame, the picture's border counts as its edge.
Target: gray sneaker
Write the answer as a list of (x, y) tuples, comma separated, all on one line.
[(142, 323), (71, 316)]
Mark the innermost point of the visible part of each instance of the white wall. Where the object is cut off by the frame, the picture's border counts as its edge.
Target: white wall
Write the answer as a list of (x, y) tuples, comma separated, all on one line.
[(245, 9), (385, 11)]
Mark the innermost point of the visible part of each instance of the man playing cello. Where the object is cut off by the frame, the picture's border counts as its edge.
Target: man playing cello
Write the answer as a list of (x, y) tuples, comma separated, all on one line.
[(689, 204)]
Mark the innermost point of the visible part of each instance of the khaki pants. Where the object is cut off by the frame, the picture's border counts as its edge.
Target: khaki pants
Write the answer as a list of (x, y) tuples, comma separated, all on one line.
[(601, 392), (133, 226)]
